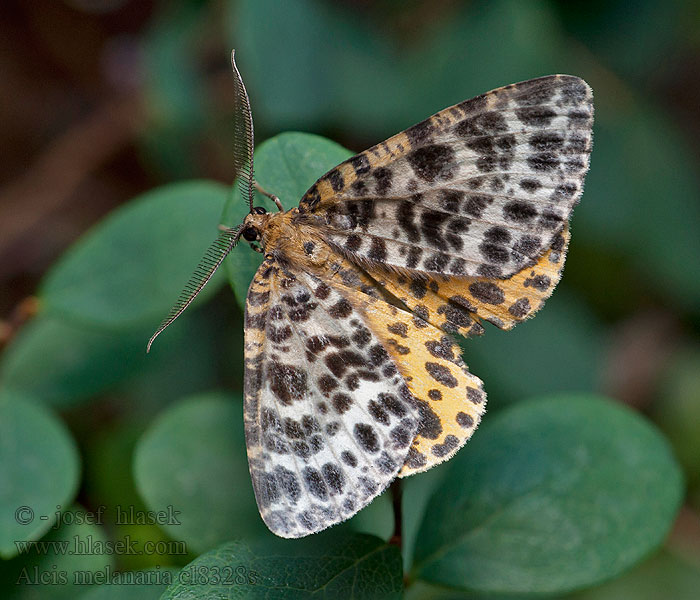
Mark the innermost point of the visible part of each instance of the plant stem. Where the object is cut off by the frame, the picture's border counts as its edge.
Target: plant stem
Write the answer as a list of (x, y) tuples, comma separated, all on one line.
[(396, 494)]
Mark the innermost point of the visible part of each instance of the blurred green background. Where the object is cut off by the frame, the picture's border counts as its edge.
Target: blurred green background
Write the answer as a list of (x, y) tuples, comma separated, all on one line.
[(105, 100)]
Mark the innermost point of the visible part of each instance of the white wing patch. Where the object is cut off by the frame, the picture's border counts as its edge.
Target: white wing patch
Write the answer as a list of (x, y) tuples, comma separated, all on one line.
[(329, 420)]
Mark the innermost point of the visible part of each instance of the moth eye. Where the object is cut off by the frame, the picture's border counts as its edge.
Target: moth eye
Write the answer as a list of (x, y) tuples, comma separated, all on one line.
[(259, 210), (250, 234)]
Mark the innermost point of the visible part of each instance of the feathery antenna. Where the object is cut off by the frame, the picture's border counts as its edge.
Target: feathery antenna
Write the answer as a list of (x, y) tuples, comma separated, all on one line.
[(228, 238), (243, 138), (205, 270)]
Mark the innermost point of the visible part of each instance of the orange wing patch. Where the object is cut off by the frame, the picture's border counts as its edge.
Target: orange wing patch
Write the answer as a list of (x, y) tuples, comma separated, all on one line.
[(451, 400), (458, 304), (430, 361)]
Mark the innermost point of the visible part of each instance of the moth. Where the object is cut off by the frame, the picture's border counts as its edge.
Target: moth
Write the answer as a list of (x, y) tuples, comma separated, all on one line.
[(352, 373)]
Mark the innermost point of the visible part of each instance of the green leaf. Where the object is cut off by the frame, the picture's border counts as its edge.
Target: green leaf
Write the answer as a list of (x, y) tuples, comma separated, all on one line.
[(109, 482), (193, 459), (60, 566), (39, 470), (132, 267), (359, 566), (420, 590), (557, 351), (146, 584), (550, 496), (62, 364), (286, 165)]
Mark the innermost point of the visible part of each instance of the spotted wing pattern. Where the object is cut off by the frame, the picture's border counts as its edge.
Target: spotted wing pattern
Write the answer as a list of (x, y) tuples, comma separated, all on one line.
[(329, 421), (340, 391), (482, 188), (450, 399), (459, 305), (422, 315)]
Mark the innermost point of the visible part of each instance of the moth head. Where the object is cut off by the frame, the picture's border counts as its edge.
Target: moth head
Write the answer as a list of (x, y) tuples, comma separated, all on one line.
[(254, 224)]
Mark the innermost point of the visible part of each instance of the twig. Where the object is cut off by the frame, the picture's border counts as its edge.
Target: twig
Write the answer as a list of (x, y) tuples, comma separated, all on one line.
[(396, 494)]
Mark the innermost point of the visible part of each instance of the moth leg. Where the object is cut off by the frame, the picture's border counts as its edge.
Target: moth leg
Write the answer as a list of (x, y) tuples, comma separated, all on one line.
[(272, 197)]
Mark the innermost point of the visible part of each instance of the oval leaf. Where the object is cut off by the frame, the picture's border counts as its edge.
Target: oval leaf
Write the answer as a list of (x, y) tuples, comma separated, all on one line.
[(550, 496), (286, 165), (360, 566), (133, 265), (193, 459), (62, 363), (39, 471)]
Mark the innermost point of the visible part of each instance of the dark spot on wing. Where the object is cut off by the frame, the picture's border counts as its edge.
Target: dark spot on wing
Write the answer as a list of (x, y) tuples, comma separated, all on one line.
[(360, 163), (530, 185), (340, 309), (334, 477), (348, 458), (520, 308), (405, 217), (314, 483), (377, 249), (287, 382), (341, 402), (464, 420), (383, 176), (429, 161), (519, 211), (450, 443), (536, 116), (441, 374), (487, 292), (327, 384), (366, 437)]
